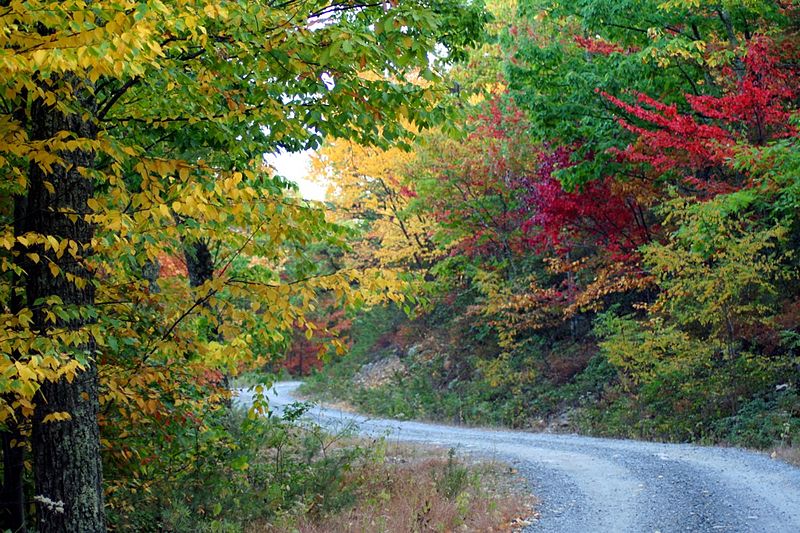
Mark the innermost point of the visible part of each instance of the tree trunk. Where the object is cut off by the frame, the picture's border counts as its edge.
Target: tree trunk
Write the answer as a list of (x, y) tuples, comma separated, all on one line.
[(12, 509), (66, 454), (199, 262), (200, 266), (12, 512)]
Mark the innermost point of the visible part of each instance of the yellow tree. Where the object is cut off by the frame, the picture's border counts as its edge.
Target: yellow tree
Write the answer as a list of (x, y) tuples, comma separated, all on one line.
[(118, 116), (372, 187)]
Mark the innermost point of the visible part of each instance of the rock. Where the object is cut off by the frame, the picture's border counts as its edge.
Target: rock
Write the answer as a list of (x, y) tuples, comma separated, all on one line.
[(379, 372)]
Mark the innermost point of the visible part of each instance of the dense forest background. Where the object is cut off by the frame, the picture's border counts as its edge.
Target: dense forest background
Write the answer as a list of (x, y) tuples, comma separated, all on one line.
[(612, 248)]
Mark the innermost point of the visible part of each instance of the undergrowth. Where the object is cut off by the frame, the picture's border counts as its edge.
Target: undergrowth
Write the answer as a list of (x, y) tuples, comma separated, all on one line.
[(405, 489), (453, 382), (284, 474), (256, 468)]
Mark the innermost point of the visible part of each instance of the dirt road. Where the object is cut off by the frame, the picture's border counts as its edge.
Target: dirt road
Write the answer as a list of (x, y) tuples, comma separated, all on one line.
[(591, 485)]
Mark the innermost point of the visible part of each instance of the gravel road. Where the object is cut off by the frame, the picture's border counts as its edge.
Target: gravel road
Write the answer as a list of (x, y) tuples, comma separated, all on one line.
[(593, 485)]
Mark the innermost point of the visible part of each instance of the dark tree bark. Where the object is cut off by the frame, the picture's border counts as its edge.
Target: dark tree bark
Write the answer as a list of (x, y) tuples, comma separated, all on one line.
[(66, 454), (12, 507), (199, 262), (200, 266), (12, 512)]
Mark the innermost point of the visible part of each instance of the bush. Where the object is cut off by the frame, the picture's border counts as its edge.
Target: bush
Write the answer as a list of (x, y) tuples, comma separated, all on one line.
[(241, 469), (762, 423), (453, 478)]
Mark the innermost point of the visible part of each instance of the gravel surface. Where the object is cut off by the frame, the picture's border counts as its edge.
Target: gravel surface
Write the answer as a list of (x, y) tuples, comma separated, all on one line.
[(593, 485)]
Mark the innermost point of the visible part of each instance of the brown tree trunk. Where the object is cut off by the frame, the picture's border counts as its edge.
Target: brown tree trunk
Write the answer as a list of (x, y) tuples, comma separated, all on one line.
[(66, 454), (199, 262), (200, 266)]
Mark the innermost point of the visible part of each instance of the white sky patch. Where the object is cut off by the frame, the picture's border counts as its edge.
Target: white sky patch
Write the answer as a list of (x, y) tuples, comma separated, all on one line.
[(296, 167), (328, 80)]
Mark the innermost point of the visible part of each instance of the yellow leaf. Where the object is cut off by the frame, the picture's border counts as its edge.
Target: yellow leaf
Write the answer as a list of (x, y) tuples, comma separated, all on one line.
[(25, 372), (61, 416), (38, 57)]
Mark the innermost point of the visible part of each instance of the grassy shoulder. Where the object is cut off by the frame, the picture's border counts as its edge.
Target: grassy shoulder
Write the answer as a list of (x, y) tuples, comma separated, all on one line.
[(286, 474), (399, 488), (787, 454)]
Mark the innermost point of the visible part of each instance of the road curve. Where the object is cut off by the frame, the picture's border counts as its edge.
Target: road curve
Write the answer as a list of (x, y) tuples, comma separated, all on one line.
[(594, 485)]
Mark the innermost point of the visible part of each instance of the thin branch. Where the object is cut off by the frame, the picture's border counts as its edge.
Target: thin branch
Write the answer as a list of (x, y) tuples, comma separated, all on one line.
[(116, 95)]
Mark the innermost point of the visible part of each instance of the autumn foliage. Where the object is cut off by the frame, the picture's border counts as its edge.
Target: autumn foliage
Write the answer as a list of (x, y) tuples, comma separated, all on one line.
[(623, 198)]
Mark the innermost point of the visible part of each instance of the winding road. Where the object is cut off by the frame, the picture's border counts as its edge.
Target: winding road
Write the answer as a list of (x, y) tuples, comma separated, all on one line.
[(594, 485)]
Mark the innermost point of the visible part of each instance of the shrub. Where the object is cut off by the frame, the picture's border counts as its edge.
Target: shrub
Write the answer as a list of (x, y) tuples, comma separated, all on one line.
[(241, 469)]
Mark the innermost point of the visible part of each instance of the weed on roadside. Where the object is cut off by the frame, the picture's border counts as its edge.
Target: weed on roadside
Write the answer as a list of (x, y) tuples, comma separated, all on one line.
[(408, 489)]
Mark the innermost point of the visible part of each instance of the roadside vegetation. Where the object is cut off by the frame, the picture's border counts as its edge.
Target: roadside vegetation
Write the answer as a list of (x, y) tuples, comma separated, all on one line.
[(401, 369), (400, 488), (280, 474)]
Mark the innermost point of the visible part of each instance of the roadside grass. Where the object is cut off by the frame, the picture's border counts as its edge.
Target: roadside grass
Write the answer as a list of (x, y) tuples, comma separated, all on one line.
[(407, 489), (787, 454), (591, 403)]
